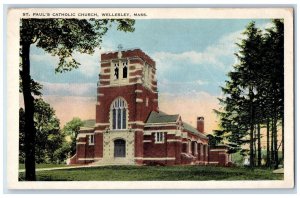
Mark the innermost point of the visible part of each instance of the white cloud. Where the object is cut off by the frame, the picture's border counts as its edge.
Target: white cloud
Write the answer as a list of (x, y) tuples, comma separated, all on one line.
[(265, 26), (200, 82), (90, 63), (107, 46), (69, 89), (165, 60), (169, 83), (53, 60), (226, 46), (211, 55), (197, 70)]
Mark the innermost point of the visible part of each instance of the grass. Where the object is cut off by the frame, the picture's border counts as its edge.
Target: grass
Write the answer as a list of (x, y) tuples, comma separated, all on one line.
[(22, 166), (156, 173)]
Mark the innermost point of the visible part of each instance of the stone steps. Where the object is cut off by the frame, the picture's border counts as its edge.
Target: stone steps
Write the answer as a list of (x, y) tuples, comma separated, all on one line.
[(112, 162)]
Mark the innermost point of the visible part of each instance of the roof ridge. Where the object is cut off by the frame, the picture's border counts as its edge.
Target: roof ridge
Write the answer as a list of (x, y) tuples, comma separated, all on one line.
[(160, 117), (188, 124), (170, 115), (166, 114)]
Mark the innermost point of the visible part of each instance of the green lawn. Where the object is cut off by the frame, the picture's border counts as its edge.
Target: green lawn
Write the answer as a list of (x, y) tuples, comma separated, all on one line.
[(22, 166), (156, 173)]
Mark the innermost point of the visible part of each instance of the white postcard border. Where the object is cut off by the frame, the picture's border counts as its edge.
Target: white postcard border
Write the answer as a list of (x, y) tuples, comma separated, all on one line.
[(152, 13)]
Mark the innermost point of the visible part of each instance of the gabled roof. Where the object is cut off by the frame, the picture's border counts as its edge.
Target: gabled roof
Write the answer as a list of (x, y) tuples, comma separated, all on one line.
[(191, 129), (161, 117)]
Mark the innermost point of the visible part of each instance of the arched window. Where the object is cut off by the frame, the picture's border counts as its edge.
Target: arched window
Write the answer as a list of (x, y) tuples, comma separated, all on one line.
[(119, 114)]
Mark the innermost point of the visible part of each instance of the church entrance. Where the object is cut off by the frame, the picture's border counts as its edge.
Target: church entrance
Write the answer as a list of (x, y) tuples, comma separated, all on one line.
[(120, 148)]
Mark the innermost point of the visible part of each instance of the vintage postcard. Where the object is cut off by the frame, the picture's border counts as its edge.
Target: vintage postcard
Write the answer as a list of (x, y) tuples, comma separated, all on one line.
[(150, 98)]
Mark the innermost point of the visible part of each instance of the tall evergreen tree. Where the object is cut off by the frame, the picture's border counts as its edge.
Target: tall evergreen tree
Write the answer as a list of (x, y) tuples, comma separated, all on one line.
[(274, 42), (253, 95), (245, 79)]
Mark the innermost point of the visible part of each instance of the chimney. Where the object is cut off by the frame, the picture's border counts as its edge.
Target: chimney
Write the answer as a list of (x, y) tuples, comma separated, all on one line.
[(200, 124)]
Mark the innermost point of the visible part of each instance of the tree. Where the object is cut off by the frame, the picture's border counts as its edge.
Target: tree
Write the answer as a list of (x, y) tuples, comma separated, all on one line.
[(253, 95), (250, 63), (72, 129), (62, 153), (274, 60), (59, 37), (21, 135), (213, 140), (49, 137)]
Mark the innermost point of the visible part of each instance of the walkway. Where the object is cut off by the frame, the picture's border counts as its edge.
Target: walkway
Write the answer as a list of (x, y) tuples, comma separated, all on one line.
[(62, 168)]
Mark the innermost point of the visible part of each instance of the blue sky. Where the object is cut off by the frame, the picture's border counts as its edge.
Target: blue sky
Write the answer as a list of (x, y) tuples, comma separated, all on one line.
[(181, 46), (192, 57)]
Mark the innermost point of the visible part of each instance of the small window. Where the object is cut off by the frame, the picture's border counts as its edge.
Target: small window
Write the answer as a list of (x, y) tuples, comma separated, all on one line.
[(125, 69), (159, 137), (116, 74), (147, 102), (91, 139)]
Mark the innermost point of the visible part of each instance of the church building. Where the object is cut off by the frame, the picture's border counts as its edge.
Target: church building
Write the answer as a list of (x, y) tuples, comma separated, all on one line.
[(130, 129)]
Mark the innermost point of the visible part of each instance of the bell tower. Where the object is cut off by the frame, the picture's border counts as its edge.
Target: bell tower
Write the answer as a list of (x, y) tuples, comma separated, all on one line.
[(130, 74), (126, 95)]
